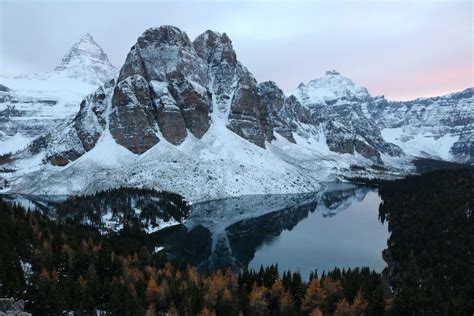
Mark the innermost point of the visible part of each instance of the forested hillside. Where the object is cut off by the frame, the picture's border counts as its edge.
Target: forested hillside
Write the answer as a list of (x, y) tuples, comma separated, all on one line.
[(430, 249), (141, 208)]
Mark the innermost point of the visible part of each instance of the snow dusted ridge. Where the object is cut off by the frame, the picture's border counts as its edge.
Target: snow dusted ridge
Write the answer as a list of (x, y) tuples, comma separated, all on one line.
[(186, 116), (439, 127), (32, 105)]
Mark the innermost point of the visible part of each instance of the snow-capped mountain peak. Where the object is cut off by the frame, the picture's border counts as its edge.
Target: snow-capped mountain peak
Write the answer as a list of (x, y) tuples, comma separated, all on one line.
[(86, 60), (329, 87), (36, 103)]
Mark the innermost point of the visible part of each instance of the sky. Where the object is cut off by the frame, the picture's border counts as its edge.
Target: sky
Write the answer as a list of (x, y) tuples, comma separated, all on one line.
[(400, 49)]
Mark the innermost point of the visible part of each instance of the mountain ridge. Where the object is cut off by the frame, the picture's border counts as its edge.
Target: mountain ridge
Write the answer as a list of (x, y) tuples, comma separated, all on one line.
[(187, 114)]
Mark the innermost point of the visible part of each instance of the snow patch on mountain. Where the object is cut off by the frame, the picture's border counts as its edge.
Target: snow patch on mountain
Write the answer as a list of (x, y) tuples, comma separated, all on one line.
[(106, 154)]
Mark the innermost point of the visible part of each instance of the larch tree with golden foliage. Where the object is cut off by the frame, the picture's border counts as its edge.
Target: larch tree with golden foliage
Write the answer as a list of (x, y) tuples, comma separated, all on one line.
[(315, 297)]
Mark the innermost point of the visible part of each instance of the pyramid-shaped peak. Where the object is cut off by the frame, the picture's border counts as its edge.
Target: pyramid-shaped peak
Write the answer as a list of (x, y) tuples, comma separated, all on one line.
[(87, 61), (86, 43)]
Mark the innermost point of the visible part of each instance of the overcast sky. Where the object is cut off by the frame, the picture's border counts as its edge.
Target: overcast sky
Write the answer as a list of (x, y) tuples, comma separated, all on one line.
[(402, 49)]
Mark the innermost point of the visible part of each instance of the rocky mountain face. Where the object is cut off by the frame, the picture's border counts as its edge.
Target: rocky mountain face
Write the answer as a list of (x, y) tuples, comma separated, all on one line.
[(187, 114), (170, 86), (79, 135), (337, 105), (32, 105)]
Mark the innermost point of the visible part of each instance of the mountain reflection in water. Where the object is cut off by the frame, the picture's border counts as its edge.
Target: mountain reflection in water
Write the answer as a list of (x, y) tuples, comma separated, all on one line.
[(336, 227)]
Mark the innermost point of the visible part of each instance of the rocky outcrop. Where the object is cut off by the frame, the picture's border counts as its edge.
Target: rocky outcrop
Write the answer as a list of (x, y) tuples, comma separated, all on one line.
[(285, 114), (132, 123), (186, 83), (246, 118), (177, 98), (234, 89), (79, 135), (463, 148), (194, 102), (218, 54)]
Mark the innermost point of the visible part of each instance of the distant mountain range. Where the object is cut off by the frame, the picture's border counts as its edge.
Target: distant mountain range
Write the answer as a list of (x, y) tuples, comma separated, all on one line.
[(187, 116)]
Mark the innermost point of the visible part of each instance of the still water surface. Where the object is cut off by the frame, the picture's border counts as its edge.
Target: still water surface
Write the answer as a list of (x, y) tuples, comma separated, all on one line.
[(353, 237), (335, 228)]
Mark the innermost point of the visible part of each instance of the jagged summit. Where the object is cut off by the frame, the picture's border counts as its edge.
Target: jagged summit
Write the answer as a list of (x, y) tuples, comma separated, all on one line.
[(162, 52), (329, 87), (87, 61), (165, 34)]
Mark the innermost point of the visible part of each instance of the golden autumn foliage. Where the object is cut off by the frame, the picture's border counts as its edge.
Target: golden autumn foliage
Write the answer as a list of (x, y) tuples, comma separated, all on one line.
[(315, 296), (357, 308), (316, 312), (257, 301)]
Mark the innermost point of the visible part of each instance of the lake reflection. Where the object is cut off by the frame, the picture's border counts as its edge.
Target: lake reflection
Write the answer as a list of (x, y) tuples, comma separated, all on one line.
[(352, 238), (336, 227)]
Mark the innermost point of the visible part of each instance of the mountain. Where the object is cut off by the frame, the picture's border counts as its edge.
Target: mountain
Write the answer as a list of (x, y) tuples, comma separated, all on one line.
[(87, 61), (330, 87), (186, 116), (439, 127), (337, 105), (34, 104)]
